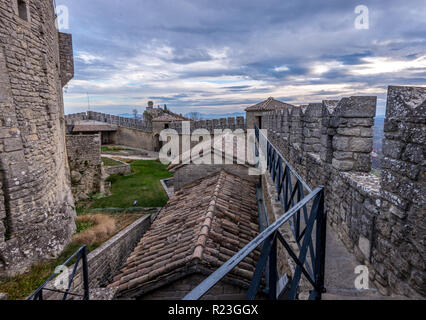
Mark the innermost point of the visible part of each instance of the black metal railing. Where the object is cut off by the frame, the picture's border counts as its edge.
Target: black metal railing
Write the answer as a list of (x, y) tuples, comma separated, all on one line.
[(80, 254), (308, 226)]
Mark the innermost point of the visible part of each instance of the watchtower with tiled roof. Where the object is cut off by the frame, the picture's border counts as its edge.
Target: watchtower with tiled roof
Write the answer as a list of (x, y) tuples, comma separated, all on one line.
[(257, 111)]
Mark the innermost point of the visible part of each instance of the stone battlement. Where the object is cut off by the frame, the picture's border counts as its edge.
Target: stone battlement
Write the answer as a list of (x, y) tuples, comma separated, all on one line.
[(380, 219), (232, 123)]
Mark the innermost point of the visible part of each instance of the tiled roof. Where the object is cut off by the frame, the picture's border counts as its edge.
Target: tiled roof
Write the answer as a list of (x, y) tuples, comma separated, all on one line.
[(269, 104), (170, 117), (200, 228), (92, 126)]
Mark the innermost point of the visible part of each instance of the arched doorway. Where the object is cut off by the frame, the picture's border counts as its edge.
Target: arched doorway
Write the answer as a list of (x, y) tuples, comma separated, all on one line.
[(156, 143)]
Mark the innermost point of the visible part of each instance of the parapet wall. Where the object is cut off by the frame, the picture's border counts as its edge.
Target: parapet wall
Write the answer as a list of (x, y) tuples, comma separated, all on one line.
[(231, 123), (380, 219), (102, 117)]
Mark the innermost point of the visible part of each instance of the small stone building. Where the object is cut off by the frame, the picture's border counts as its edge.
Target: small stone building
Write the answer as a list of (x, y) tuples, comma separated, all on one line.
[(201, 227), (107, 131), (255, 113), (217, 154)]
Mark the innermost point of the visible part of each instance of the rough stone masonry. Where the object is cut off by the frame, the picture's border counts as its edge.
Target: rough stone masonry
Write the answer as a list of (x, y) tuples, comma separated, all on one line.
[(36, 205), (380, 219)]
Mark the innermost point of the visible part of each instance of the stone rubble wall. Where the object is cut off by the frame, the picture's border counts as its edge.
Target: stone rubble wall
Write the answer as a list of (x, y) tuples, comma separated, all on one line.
[(36, 204), (87, 172), (379, 219)]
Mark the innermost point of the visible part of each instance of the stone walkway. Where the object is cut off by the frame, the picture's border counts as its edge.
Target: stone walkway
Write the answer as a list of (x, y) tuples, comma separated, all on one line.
[(340, 274)]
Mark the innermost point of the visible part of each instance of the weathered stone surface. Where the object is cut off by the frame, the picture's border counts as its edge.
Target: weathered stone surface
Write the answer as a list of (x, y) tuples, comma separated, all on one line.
[(37, 204), (406, 101), (360, 205), (87, 172), (361, 145)]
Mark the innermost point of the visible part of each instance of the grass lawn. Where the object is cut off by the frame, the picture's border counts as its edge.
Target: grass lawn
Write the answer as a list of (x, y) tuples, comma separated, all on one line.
[(113, 149), (22, 286), (144, 186), (111, 162)]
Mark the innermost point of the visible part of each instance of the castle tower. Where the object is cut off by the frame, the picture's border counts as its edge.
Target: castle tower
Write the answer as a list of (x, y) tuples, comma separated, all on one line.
[(36, 205)]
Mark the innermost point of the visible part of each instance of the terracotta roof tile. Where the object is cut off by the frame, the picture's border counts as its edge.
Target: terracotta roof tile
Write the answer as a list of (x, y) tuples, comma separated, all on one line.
[(195, 231), (269, 104)]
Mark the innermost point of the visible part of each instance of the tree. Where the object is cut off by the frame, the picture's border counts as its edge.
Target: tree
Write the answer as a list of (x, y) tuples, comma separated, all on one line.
[(196, 116), (135, 113)]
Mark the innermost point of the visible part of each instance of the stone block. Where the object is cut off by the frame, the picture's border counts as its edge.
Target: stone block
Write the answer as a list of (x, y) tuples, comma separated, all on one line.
[(357, 107), (406, 101), (414, 153), (355, 131), (342, 165), (364, 246), (392, 148), (341, 143), (361, 145), (342, 155)]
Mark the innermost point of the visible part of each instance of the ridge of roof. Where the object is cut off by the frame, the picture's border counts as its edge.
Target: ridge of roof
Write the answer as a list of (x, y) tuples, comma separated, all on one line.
[(195, 232), (205, 227), (269, 105)]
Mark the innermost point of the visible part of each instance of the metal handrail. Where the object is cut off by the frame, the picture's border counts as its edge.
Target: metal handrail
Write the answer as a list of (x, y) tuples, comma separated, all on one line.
[(215, 277), (258, 131), (271, 235), (81, 254)]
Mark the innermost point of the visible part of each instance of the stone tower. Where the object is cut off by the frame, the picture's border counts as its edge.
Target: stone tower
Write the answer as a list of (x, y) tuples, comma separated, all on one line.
[(36, 205)]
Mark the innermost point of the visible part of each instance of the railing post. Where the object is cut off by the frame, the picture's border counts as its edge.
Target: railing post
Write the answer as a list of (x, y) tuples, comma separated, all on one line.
[(320, 247), (85, 274), (273, 270)]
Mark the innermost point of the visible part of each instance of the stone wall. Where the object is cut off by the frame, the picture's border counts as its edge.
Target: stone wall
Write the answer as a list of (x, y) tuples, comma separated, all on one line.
[(401, 223), (210, 125), (232, 123), (105, 262), (380, 219), (66, 57), (119, 169), (181, 287), (108, 118), (84, 156), (134, 138), (36, 205)]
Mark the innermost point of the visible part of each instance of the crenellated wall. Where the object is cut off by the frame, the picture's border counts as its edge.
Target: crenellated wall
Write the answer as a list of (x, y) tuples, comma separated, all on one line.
[(210, 125), (36, 204), (380, 219)]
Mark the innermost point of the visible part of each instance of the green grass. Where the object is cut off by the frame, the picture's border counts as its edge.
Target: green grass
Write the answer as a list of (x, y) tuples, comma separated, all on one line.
[(113, 149), (83, 225), (22, 286), (111, 162), (144, 185)]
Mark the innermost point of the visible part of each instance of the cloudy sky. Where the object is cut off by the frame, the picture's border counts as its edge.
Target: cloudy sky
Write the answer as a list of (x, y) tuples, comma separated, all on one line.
[(217, 56)]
